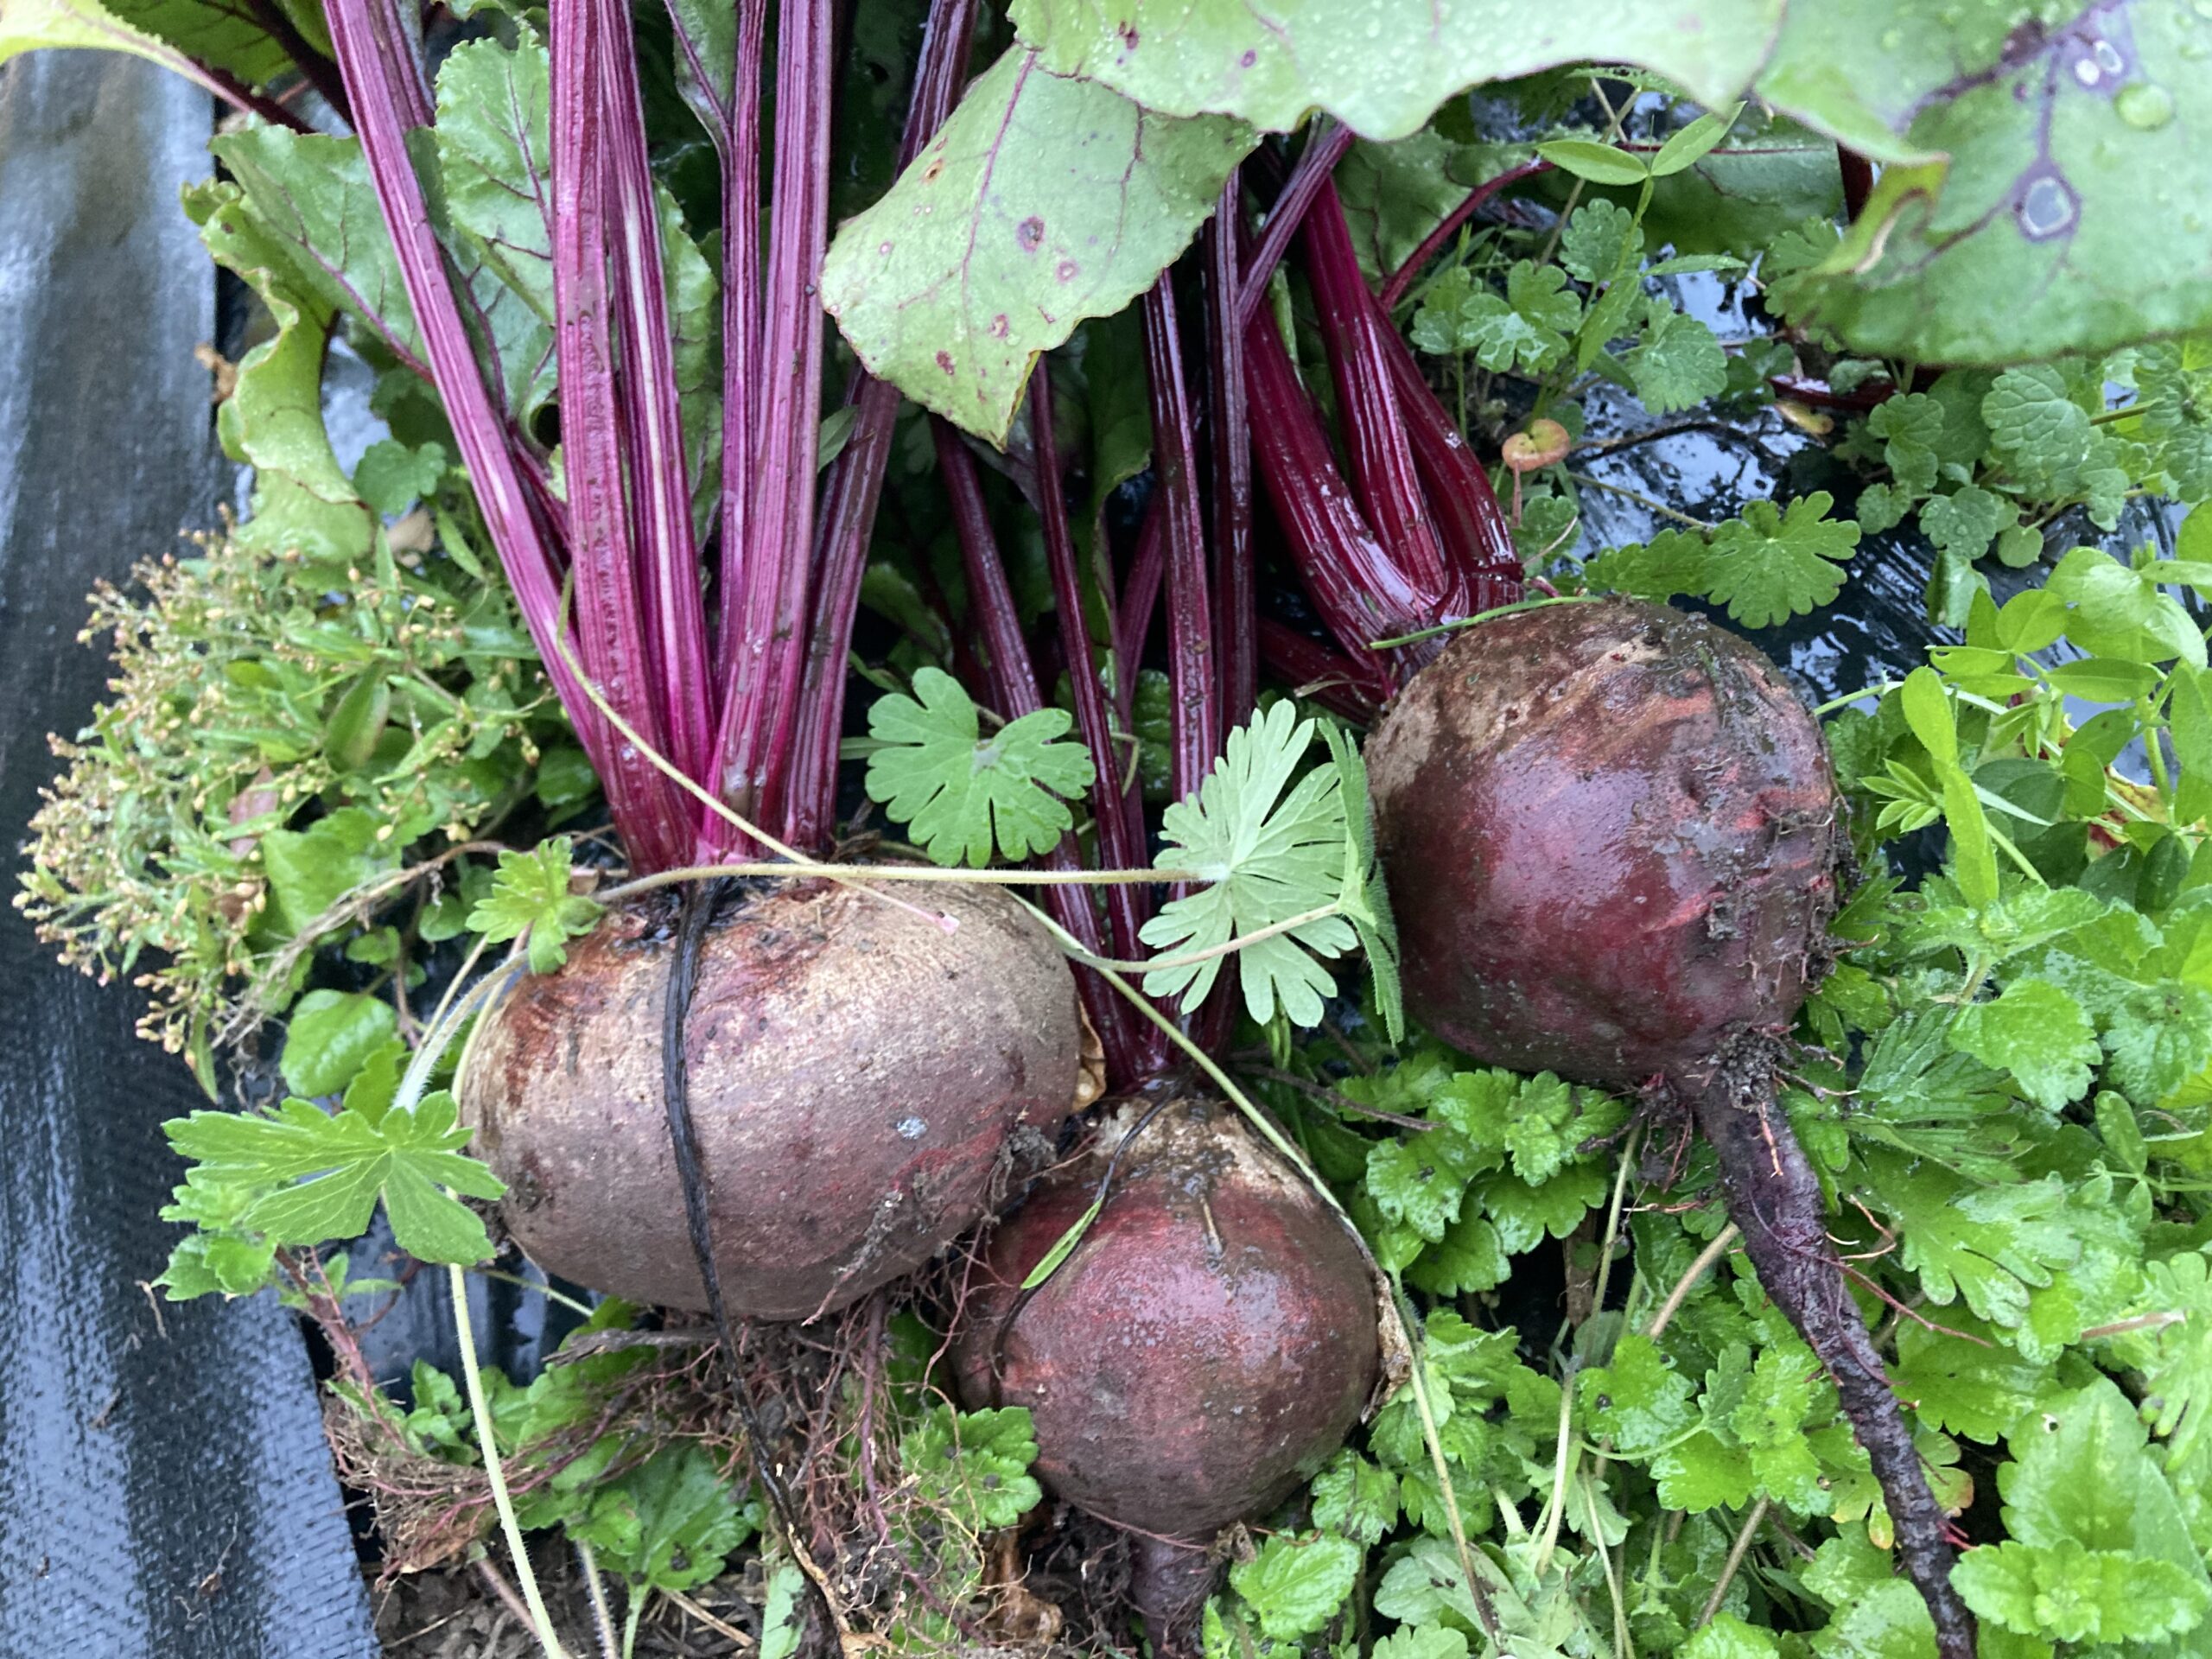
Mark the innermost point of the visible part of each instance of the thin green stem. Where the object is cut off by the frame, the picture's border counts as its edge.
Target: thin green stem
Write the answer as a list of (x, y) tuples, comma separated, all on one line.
[(2155, 752), (1536, 604), (1477, 1592), (1642, 500), (1623, 1644), (1711, 1254), (1563, 1466), (480, 1410), (860, 874), (602, 1622), (546, 1290), (1629, 1148), (1212, 952), (639, 1595), (1881, 689), (1736, 1554)]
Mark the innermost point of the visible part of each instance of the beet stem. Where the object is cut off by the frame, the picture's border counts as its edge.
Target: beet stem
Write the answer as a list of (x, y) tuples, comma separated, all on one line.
[(1119, 813), (1194, 715), (854, 486), (1376, 441), (1775, 1197), (765, 659), (1322, 154), (660, 485), (1402, 278), (1010, 682), (612, 630), (384, 81), (1236, 602)]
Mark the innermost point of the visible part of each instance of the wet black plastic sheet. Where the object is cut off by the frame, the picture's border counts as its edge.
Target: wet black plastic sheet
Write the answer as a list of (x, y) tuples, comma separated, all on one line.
[(164, 1487)]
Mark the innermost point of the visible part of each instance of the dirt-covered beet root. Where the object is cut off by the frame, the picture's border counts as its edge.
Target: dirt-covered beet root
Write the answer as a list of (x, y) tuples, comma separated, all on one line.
[(861, 1081), (1613, 837), (1206, 1347), (1612, 832)]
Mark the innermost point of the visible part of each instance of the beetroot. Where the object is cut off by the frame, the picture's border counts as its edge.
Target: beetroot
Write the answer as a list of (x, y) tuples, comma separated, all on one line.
[(859, 1078), (1613, 835), (1205, 1347)]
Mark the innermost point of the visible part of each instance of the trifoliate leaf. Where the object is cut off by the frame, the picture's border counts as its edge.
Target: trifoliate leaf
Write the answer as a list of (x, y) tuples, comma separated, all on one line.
[(1354, 1497), (529, 894), (1772, 564), (1600, 238), (1638, 1399), (2175, 1358), (1295, 1585), (2173, 387), (317, 1176), (2072, 1594), (1728, 1637), (1967, 521), (2157, 1039), (1677, 363), (1528, 325), (1910, 425), (1268, 857), (1523, 1215), (1921, 1096), (1701, 1473), (963, 795), (1419, 1180), (1966, 1385), (1673, 562), (2118, 611), (1990, 1245), (670, 1522), (2080, 1472), (2038, 1033), (973, 1466), (1469, 1257), (1421, 1642)]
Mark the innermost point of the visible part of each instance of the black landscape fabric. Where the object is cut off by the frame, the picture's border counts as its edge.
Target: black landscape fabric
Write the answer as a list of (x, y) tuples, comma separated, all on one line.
[(164, 1487)]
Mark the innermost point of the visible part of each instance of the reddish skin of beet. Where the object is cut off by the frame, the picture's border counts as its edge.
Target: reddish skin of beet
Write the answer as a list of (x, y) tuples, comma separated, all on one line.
[(1613, 834), (1205, 1349), (1620, 826), (858, 1078)]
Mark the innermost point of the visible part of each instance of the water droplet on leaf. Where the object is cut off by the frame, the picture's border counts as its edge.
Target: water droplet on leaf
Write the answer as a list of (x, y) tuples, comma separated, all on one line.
[(2047, 207), (2145, 106)]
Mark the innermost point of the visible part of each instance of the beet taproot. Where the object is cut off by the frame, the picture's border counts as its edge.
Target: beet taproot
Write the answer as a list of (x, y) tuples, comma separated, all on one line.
[(1614, 839), (860, 1079), (1205, 1349)]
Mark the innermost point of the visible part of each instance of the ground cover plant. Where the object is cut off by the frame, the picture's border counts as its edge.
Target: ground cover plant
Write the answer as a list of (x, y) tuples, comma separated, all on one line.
[(841, 708)]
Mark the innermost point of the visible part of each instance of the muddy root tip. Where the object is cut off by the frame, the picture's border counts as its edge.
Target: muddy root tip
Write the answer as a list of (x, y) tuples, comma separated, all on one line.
[(1169, 1584), (1774, 1197)]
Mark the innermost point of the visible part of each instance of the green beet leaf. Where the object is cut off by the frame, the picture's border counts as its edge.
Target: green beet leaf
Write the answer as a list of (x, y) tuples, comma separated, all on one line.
[(1042, 201), (1380, 66)]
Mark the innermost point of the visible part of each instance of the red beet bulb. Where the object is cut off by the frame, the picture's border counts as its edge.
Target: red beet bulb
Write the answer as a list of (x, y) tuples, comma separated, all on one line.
[(860, 1079), (1613, 837), (1204, 1350)]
